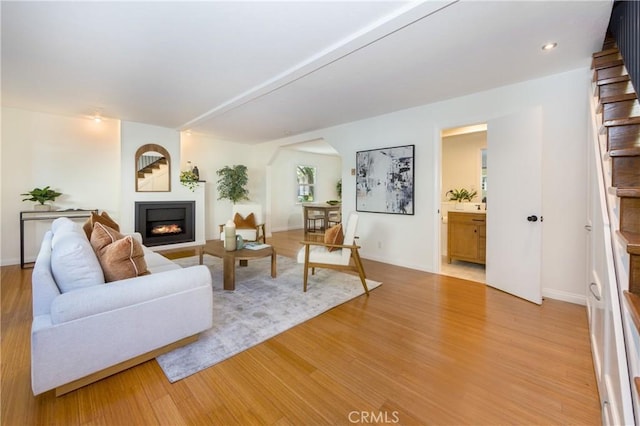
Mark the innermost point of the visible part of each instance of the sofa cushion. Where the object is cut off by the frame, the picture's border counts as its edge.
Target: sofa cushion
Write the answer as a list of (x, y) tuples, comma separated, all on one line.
[(120, 257), (334, 235), (102, 236), (123, 259), (74, 263), (102, 218), (248, 222), (157, 263), (62, 224)]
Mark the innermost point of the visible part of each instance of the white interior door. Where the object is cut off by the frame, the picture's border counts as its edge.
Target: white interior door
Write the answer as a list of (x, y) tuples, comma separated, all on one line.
[(514, 204)]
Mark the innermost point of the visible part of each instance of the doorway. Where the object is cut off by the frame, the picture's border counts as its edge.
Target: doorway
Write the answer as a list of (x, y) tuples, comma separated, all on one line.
[(463, 171)]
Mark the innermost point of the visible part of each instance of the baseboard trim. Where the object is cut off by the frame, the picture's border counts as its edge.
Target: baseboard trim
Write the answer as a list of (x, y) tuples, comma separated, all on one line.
[(578, 299)]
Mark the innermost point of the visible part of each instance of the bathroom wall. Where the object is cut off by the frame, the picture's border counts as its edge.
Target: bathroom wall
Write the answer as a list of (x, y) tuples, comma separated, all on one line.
[(461, 168), (462, 162)]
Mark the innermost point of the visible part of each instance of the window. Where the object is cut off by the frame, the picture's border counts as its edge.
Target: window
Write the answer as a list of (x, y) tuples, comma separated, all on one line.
[(306, 183)]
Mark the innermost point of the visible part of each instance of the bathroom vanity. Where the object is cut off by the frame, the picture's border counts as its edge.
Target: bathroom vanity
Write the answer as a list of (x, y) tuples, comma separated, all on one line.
[(467, 236)]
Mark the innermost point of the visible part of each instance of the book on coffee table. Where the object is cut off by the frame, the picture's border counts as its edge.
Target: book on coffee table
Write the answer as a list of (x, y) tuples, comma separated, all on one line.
[(256, 246)]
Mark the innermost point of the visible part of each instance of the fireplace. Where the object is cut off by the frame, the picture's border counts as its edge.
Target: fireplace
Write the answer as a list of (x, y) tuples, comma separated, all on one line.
[(165, 222)]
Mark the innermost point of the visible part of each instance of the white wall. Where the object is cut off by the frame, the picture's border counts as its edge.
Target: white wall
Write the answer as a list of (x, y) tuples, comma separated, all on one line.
[(135, 135), (210, 155), (286, 211), (75, 156), (412, 241), (39, 149)]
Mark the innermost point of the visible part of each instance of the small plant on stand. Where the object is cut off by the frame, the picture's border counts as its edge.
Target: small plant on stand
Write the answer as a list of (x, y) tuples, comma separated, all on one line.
[(41, 195)]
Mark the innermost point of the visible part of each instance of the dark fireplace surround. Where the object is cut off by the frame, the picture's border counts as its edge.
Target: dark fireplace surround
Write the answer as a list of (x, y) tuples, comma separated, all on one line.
[(165, 222)]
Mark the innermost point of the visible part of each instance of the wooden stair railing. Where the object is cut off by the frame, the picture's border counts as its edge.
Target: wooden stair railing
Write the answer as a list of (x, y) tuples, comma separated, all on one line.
[(620, 112)]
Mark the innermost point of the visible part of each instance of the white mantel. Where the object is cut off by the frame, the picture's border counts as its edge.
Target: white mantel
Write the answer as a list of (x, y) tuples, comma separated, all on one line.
[(133, 136)]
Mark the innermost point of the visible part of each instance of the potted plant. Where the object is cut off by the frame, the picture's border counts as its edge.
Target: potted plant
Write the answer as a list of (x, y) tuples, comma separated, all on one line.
[(189, 179), (232, 183), (41, 195), (461, 194)]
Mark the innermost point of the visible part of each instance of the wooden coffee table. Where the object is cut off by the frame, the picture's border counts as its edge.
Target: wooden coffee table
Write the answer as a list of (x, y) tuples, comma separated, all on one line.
[(216, 248)]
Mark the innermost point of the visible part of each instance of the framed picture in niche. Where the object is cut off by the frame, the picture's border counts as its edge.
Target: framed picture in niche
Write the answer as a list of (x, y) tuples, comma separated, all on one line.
[(385, 180)]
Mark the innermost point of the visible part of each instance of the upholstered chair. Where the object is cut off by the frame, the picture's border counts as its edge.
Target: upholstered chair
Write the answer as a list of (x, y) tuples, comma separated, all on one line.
[(249, 221), (336, 252)]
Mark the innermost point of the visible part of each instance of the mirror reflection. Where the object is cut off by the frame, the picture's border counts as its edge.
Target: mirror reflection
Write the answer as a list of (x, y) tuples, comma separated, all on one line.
[(153, 169)]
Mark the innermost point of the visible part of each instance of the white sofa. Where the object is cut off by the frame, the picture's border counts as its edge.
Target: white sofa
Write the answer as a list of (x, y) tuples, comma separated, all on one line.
[(89, 332)]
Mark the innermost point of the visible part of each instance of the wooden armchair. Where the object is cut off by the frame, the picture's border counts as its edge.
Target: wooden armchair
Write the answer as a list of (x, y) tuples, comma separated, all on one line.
[(316, 254), (253, 231)]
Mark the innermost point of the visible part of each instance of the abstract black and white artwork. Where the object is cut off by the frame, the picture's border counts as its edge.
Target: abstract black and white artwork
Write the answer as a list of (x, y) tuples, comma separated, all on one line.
[(384, 181)]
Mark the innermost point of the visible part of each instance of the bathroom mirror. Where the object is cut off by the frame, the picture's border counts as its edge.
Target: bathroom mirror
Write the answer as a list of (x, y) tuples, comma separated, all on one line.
[(152, 169), (483, 175)]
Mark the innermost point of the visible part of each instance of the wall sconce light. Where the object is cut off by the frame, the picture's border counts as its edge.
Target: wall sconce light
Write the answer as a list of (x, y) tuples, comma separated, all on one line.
[(549, 46), (97, 118)]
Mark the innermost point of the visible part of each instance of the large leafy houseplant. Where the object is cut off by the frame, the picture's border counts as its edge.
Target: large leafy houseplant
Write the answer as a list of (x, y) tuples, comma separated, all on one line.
[(461, 194), (41, 195), (232, 183)]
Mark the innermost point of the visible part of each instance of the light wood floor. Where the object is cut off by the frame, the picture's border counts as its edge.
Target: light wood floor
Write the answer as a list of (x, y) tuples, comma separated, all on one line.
[(422, 349)]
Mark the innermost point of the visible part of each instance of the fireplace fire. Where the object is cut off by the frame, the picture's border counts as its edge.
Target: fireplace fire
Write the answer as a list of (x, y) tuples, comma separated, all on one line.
[(168, 222), (166, 229)]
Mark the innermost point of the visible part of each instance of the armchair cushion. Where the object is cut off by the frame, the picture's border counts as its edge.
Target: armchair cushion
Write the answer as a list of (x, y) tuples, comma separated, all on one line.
[(248, 222), (321, 254), (334, 235)]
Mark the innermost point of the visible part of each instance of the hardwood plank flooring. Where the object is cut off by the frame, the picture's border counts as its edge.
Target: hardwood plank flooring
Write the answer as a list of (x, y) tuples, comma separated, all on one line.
[(422, 349)]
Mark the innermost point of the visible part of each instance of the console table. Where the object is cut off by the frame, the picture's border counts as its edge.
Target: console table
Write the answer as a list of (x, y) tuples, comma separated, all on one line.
[(323, 210), (47, 215)]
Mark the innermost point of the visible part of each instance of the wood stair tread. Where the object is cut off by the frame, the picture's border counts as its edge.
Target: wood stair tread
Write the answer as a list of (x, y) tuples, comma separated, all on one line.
[(605, 52), (608, 64), (625, 152), (618, 98), (621, 122), (632, 241), (627, 192), (633, 301), (611, 80)]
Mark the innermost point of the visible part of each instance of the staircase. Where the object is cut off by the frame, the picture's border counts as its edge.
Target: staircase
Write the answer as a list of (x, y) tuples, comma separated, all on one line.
[(617, 114), (150, 164)]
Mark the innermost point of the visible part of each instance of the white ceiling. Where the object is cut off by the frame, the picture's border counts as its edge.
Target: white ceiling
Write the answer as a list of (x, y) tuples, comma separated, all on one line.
[(257, 71)]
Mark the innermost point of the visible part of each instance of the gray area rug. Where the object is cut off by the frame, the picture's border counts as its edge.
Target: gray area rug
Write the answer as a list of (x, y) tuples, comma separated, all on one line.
[(259, 308)]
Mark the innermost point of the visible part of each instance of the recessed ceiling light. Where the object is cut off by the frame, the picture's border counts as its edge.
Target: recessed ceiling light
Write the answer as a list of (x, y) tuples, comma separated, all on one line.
[(549, 46)]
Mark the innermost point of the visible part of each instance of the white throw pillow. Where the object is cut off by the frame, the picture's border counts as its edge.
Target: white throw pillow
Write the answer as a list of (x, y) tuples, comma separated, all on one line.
[(74, 263)]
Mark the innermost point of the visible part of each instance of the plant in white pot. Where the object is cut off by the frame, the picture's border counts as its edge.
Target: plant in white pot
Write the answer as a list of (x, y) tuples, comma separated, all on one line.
[(41, 195)]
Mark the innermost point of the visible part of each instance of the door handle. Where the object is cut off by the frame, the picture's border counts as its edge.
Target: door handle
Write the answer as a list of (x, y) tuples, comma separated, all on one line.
[(587, 227), (593, 292), (532, 218)]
